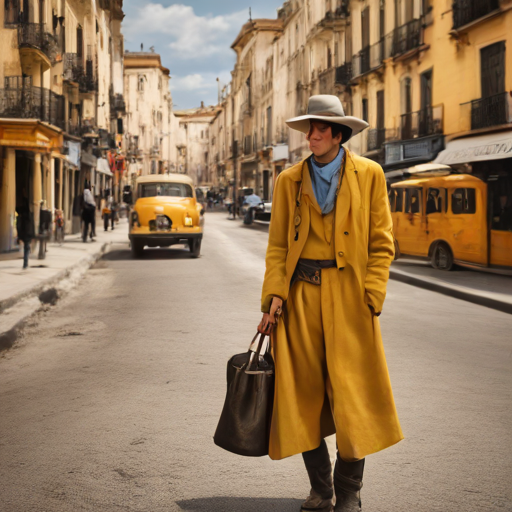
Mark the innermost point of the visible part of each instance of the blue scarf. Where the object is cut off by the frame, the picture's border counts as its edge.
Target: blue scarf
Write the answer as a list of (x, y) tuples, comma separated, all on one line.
[(325, 181)]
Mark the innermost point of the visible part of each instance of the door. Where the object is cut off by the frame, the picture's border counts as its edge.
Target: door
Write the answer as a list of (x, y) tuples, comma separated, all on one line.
[(406, 125), (380, 119), (413, 229), (500, 199), (425, 121)]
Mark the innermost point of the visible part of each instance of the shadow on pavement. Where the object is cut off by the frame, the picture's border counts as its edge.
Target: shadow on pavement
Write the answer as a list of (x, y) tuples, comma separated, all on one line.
[(232, 504), (149, 254)]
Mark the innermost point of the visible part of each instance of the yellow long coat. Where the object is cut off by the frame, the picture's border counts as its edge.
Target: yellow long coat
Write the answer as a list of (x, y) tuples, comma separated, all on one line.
[(364, 250)]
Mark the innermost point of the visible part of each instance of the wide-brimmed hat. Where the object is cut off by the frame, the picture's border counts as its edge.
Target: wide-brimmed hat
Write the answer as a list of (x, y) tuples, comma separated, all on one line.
[(327, 108)]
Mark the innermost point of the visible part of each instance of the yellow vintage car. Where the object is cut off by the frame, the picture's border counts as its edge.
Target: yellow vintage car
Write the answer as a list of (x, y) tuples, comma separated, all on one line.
[(166, 212)]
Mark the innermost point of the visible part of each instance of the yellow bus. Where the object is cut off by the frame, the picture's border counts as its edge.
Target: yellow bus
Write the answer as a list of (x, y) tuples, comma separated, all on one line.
[(447, 219)]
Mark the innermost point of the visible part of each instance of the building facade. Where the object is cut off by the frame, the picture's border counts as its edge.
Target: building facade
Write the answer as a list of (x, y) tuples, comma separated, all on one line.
[(56, 121), (150, 137)]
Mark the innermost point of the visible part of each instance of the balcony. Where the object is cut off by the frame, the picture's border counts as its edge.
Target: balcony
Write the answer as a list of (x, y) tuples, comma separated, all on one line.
[(30, 102), (88, 82), (343, 74), (73, 67), (34, 41), (368, 59), (492, 111), (117, 104), (423, 123), (403, 39), (467, 11)]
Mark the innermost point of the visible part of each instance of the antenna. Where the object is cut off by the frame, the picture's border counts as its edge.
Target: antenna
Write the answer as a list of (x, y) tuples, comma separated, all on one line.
[(250, 14)]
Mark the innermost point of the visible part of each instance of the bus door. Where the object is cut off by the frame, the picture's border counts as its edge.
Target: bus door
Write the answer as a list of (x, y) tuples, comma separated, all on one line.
[(467, 226), (413, 228), (436, 207), (500, 199)]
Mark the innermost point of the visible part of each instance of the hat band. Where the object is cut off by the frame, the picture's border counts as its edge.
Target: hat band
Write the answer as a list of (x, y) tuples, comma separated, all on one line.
[(325, 114)]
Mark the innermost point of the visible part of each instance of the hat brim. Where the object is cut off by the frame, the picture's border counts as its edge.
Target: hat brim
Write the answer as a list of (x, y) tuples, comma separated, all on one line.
[(302, 123)]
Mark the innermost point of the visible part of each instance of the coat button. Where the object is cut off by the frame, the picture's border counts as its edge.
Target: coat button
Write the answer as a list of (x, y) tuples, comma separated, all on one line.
[(346, 233), (340, 253)]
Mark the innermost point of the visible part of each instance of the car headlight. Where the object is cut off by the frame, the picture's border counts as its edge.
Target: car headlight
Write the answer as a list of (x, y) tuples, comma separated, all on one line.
[(188, 221), (134, 219)]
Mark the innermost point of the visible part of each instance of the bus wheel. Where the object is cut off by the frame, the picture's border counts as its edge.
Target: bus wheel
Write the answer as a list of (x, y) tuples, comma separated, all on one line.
[(442, 257)]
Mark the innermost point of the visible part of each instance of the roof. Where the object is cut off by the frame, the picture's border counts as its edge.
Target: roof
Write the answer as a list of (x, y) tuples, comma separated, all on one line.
[(452, 179), (165, 178), (256, 25), (136, 60)]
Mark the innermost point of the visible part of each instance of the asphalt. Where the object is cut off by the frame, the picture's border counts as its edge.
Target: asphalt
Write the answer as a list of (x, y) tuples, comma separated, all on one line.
[(110, 399)]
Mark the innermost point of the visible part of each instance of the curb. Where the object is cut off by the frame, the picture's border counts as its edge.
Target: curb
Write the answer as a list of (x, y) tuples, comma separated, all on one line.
[(452, 290), (36, 296)]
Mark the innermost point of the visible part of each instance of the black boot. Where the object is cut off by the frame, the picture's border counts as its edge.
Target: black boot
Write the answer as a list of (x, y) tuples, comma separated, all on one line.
[(319, 468), (348, 480)]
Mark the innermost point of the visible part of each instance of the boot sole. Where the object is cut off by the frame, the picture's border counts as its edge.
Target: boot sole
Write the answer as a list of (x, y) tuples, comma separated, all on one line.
[(329, 508)]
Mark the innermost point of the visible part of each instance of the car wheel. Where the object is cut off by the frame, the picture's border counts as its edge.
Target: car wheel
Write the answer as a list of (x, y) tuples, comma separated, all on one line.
[(442, 257), (137, 248), (195, 247)]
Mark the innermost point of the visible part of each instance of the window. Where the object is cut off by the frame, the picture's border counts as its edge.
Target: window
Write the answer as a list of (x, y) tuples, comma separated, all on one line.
[(165, 189), (492, 69), (140, 83), (436, 200), (12, 12), (365, 110), (399, 206), (413, 200), (464, 200)]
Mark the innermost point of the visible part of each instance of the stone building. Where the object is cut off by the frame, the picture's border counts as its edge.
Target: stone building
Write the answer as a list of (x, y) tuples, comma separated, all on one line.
[(150, 124), (56, 121), (193, 144)]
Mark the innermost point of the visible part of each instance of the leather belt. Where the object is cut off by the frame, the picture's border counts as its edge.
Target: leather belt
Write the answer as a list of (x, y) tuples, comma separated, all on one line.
[(310, 271)]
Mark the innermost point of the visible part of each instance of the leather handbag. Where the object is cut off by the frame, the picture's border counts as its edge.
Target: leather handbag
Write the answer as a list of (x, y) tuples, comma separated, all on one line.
[(244, 425)]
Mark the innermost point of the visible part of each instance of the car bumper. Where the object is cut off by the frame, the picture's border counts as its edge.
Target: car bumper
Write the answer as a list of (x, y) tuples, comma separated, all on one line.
[(162, 239)]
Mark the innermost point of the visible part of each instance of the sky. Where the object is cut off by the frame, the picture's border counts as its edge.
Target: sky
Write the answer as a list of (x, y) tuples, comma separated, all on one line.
[(193, 39)]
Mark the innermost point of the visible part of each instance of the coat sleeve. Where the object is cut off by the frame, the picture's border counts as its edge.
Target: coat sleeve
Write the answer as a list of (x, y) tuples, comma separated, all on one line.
[(275, 282), (381, 249)]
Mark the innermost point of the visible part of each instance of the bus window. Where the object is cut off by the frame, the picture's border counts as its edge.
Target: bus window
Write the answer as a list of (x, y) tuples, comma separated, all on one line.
[(413, 200), (464, 200), (399, 201), (436, 200), (392, 199)]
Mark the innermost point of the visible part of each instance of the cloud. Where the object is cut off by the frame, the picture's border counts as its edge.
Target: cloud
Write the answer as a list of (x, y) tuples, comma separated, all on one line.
[(191, 36)]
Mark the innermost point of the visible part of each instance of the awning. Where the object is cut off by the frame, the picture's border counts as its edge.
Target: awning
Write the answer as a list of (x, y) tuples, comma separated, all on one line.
[(492, 146), (102, 166)]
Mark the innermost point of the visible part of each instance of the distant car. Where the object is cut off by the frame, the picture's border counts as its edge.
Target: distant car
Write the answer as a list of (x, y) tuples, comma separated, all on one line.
[(166, 212)]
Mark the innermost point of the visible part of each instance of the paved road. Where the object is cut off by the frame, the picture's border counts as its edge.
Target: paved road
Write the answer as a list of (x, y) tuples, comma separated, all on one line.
[(110, 400)]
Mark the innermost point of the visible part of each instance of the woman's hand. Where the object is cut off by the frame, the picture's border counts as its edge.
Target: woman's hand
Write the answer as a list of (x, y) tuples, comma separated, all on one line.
[(269, 319)]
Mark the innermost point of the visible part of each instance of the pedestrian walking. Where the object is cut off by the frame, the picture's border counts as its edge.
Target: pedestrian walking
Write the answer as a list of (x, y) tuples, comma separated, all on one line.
[(88, 213), (327, 265), (107, 210), (25, 225), (59, 226)]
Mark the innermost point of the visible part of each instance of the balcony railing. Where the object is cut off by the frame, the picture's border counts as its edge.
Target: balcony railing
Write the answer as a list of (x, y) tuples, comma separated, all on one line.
[(491, 111), (32, 103), (344, 73), (376, 138), (34, 35), (403, 39), (424, 122), (466, 11), (368, 58)]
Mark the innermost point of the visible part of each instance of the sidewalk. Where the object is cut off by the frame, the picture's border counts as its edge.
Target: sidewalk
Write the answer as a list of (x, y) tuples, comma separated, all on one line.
[(20, 290), (486, 289)]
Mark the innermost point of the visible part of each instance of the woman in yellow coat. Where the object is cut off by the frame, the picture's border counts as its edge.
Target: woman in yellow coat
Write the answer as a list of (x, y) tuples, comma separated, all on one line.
[(327, 265)]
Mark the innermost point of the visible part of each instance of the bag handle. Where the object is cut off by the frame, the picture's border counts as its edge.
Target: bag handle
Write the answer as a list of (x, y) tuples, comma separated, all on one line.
[(261, 340)]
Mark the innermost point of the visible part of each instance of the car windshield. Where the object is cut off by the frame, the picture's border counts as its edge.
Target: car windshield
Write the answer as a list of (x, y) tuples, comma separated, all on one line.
[(165, 189)]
